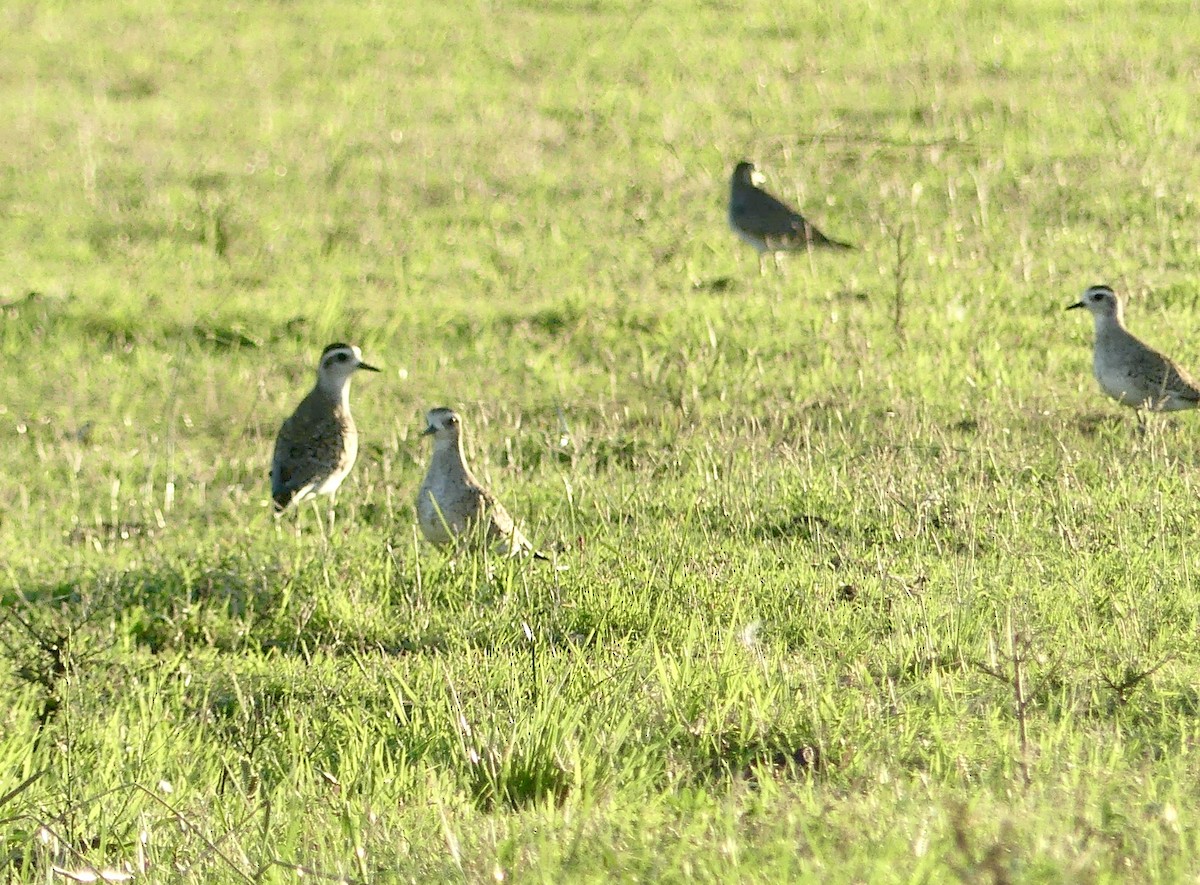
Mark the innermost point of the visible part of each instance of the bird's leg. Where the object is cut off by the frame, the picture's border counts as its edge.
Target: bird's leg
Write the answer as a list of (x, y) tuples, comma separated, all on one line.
[(812, 264), (292, 515), (320, 520), (1141, 422)]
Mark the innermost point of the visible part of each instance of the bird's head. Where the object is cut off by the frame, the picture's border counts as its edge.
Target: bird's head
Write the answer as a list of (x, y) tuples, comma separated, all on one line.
[(338, 362), (443, 425), (1101, 300), (745, 173)]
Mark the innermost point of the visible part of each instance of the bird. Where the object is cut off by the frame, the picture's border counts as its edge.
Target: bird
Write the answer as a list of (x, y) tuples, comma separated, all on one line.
[(318, 443), (452, 505), (768, 224), (1129, 371)]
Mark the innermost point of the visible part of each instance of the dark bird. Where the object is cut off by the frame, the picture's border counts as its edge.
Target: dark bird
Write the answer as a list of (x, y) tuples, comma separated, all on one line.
[(768, 224)]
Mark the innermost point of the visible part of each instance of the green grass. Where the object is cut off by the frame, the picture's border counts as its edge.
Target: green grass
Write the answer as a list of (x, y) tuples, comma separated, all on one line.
[(866, 579)]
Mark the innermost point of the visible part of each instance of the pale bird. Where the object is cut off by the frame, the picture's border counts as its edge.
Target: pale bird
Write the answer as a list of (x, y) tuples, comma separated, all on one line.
[(452, 505), (768, 224), (1129, 371), (317, 445)]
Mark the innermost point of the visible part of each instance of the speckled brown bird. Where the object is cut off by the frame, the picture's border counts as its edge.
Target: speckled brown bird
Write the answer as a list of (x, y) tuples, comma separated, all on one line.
[(1129, 371), (317, 444), (452, 505)]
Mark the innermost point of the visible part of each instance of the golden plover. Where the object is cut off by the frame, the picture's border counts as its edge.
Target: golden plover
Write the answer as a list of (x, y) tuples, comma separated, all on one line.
[(317, 445), (768, 224), (1129, 371), (452, 505)]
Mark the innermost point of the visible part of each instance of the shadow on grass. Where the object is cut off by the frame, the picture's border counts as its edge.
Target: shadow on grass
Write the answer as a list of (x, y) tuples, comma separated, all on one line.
[(71, 318), (233, 604), (727, 756), (796, 526)]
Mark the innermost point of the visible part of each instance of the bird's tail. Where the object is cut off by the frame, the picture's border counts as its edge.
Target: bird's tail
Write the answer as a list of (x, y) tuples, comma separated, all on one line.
[(819, 239)]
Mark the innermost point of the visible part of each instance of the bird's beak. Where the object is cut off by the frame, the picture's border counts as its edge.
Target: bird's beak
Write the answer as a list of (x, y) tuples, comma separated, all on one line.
[(429, 431), (1076, 304), (757, 178), (368, 367)]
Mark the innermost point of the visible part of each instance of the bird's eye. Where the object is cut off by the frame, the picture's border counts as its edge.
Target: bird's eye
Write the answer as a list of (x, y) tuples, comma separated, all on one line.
[(452, 420), (341, 357)]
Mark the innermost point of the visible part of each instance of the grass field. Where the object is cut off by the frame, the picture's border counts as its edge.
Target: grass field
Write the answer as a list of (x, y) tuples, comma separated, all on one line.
[(866, 580)]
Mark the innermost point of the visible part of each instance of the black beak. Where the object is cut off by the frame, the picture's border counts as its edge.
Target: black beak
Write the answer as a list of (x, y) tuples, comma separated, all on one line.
[(429, 431), (1076, 304), (368, 367)]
